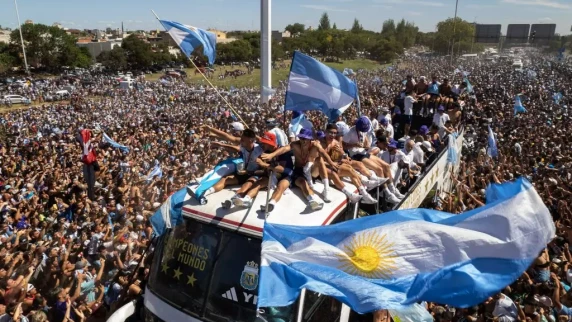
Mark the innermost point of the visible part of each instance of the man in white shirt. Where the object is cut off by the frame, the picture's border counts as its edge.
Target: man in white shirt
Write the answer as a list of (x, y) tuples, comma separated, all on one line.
[(298, 123), (356, 142), (439, 119), (387, 127), (407, 116)]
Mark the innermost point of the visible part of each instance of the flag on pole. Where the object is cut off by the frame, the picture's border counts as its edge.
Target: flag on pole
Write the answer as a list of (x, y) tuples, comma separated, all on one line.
[(492, 150), (189, 38), (315, 86), (407, 256)]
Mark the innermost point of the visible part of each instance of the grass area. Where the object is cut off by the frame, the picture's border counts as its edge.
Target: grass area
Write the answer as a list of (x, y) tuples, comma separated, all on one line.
[(253, 80)]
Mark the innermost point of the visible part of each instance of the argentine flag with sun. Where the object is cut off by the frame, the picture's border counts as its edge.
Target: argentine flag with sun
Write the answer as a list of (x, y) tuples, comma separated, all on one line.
[(393, 260)]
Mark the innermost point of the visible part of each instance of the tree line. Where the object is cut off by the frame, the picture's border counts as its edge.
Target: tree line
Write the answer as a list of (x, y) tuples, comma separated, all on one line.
[(52, 48)]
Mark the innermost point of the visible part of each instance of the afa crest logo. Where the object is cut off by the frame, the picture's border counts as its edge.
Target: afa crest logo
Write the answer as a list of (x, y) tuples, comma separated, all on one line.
[(249, 276)]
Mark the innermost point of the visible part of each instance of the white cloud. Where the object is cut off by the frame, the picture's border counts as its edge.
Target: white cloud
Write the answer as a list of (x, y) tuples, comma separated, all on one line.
[(545, 19), (382, 6), (413, 13), (412, 2), (324, 8), (543, 3)]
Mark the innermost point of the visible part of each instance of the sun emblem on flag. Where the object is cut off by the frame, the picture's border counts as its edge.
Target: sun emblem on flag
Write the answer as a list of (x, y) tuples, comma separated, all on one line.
[(368, 254)]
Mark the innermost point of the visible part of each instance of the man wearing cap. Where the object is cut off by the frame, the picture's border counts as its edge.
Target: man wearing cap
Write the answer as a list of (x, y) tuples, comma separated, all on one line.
[(386, 127), (281, 138), (355, 141), (298, 123)]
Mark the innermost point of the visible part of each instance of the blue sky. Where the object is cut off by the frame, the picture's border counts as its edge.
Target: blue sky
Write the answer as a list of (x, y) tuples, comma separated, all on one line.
[(244, 14)]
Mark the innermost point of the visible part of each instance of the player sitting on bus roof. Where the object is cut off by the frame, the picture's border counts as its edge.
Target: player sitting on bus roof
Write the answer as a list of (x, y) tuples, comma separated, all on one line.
[(306, 161), (248, 173), (356, 142), (281, 167), (336, 153)]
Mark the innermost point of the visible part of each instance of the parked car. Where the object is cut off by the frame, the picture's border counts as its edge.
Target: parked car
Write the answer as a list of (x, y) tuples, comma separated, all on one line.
[(15, 99)]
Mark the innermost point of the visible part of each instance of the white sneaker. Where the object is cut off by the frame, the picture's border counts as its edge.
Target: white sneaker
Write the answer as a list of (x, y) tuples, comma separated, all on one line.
[(325, 196), (366, 198), (316, 205), (354, 197), (396, 192), (246, 202), (370, 184), (391, 198)]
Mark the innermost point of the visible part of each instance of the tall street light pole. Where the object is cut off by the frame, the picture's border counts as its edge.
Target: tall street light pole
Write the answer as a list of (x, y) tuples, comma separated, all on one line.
[(454, 30), (21, 38)]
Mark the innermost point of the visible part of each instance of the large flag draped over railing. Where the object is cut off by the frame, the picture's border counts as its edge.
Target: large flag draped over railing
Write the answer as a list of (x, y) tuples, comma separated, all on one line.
[(394, 260), (315, 86), (189, 38)]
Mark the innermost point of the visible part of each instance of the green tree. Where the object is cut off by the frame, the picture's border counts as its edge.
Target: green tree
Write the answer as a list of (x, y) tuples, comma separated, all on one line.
[(236, 51), (138, 52), (452, 33), (295, 29), (324, 22), (335, 27), (7, 60), (388, 29), (50, 47), (114, 60), (356, 27)]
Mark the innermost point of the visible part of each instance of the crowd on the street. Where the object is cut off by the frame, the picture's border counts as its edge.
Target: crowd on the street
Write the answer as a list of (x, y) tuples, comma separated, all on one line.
[(71, 256)]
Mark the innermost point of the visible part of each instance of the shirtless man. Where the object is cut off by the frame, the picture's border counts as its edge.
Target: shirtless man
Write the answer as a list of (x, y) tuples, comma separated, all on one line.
[(306, 154), (336, 153)]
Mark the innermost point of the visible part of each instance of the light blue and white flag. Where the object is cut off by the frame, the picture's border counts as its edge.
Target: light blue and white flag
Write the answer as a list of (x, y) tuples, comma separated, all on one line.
[(518, 107), (492, 149), (452, 153), (169, 214), (394, 260), (469, 86), (557, 97), (315, 86), (155, 172), (222, 169), (189, 38), (114, 144)]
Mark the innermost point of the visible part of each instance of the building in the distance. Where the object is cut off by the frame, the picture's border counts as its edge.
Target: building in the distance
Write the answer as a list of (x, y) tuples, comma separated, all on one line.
[(29, 22), (95, 48), (4, 36)]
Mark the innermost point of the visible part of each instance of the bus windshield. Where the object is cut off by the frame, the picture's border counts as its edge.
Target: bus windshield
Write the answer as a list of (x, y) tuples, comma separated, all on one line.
[(209, 273)]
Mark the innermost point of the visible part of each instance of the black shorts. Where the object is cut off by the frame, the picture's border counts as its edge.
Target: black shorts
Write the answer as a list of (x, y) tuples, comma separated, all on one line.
[(242, 178), (433, 95), (407, 119), (360, 157)]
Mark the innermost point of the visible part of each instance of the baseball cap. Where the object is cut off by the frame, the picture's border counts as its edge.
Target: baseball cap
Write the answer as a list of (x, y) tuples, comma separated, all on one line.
[(441, 108), (423, 130), (269, 138), (384, 121)]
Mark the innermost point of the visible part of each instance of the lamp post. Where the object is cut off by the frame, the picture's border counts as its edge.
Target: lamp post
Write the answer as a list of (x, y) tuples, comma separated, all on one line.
[(454, 30), (265, 49), (22, 38)]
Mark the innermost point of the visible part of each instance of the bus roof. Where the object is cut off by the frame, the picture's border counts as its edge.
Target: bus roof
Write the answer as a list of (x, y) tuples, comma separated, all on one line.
[(292, 209)]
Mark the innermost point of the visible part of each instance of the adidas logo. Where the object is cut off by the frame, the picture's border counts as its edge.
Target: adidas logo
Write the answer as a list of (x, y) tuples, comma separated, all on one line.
[(231, 295)]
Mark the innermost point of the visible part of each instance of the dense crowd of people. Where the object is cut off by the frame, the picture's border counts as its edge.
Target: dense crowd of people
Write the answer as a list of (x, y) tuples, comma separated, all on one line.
[(71, 252)]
